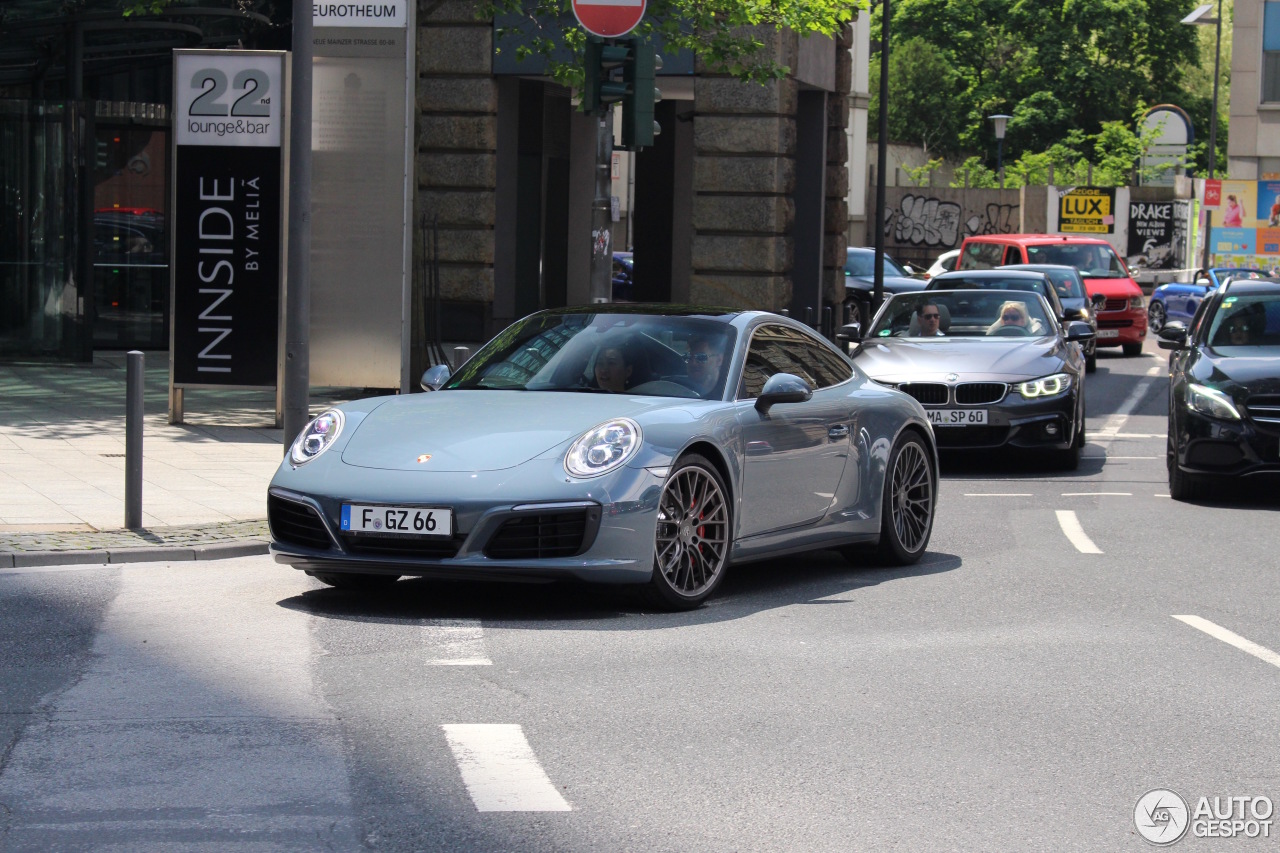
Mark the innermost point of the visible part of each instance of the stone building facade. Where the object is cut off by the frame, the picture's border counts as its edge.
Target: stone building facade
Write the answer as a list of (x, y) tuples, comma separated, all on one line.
[(741, 202)]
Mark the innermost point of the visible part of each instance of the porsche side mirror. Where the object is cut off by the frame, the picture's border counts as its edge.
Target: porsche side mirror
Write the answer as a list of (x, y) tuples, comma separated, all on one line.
[(435, 377), (1078, 331), (1172, 336), (1098, 300), (850, 333), (783, 388)]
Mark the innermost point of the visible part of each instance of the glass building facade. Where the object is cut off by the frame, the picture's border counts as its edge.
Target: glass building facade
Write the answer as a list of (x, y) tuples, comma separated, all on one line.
[(84, 166)]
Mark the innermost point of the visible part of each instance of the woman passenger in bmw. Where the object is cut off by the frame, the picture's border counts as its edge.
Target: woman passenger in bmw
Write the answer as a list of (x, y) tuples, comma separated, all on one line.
[(1014, 314)]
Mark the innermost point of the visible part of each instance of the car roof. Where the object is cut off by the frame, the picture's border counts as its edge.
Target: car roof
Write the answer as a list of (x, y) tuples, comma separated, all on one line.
[(1040, 267), (1249, 286), (1036, 239), (651, 308), (1004, 273)]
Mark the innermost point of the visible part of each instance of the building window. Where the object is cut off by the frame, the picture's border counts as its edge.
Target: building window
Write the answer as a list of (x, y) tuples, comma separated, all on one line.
[(1271, 52)]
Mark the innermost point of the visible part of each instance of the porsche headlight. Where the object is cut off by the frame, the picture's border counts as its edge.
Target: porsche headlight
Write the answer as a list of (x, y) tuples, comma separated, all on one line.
[(316, 437), (1045, 386), (1211, 402), (603, 448)]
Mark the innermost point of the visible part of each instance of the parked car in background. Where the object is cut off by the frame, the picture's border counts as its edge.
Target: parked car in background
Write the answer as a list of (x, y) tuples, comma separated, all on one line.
[(1224, 389), (1003, 373), (1178, 300), (946, 262), (859, 280), (623, 282), (1076, 303), (1121, 316)]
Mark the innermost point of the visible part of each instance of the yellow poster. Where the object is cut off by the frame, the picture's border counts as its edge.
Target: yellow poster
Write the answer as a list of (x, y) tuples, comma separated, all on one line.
[(1087, 210)]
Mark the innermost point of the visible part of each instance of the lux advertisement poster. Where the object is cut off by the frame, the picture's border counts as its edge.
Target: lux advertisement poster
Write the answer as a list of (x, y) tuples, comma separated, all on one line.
[(1245, 216)]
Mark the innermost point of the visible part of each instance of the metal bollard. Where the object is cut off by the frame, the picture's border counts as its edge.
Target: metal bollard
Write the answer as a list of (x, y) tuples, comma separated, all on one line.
[(808, 316), (827, 332), (785, 312), (460, 356), (134, 386)]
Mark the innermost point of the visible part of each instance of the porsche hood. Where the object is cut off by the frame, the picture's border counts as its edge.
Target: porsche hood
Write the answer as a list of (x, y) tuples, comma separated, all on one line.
[(480, 430)]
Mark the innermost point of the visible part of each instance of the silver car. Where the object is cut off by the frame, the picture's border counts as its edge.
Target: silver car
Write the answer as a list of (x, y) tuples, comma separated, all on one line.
[(629, 444)]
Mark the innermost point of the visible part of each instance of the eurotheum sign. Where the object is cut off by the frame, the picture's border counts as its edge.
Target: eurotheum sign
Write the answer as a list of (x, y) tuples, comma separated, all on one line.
[(227, 229)]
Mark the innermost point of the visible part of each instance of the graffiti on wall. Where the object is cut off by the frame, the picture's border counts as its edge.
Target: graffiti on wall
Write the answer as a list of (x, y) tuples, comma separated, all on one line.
[(939, 224)]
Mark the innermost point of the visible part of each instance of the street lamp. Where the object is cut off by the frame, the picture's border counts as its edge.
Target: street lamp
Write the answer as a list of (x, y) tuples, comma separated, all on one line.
[(882, 163), (1001, 121), (1202, 17)]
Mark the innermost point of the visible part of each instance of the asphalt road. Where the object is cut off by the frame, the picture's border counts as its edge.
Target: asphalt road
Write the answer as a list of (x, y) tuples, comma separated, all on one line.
[(1020, 689)]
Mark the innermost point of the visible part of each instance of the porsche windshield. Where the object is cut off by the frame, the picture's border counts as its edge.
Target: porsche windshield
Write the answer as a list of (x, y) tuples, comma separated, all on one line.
[(639, 354), (963, 313), (1094, 260)]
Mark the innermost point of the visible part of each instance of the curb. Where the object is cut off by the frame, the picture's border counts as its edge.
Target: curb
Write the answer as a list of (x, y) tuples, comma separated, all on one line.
[(118, 556)]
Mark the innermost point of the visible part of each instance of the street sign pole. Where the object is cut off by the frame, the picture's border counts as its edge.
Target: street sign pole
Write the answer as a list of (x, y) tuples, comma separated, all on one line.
[(607, 19), (602, 210)]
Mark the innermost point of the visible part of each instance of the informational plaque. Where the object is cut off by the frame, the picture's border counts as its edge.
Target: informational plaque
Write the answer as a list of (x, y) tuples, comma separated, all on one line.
[(229, 109)]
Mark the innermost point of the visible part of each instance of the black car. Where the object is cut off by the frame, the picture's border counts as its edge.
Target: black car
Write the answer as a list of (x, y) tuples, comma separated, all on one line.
[(1001, 370), (859, 280), (1076, 304), (1224, 389)]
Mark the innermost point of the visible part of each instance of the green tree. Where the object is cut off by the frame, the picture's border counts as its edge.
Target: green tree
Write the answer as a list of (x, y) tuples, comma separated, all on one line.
[(921, 76)]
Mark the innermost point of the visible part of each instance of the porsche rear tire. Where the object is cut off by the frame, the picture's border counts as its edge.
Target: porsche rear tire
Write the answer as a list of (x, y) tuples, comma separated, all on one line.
[(355, 582), (692, 537)]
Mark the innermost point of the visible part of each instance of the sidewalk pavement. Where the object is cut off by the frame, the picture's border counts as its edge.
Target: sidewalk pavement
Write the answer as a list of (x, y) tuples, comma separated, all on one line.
[(62, 466)]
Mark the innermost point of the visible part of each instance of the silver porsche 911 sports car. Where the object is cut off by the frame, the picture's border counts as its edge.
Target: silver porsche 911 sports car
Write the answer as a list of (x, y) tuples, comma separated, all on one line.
[(644, 444)]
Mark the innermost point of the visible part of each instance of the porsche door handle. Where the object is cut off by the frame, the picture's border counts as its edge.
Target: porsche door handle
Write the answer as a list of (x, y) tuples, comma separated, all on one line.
[(838, 432)]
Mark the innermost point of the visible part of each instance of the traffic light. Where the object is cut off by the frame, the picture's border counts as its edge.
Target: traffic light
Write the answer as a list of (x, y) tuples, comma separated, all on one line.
[(602, 82), (638, 126)]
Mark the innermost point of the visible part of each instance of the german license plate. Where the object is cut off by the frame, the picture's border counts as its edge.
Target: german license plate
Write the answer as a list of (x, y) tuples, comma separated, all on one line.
[(1108, 333), (957, 417), (400, 520)]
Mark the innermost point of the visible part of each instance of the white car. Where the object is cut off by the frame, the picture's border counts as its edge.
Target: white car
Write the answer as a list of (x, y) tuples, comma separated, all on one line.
[(946, 262)]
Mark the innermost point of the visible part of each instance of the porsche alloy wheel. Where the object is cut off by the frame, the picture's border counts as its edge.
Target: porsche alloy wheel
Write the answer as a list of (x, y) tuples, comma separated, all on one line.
[(910, 495), (1156, 317), (691, 545)]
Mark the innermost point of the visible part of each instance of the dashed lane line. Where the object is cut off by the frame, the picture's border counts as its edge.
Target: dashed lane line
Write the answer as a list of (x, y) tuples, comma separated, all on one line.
[(1231, 638), (1075, 533), (1112, 425), (997, 494), (455, 642), (1097, 494), (500, 770)]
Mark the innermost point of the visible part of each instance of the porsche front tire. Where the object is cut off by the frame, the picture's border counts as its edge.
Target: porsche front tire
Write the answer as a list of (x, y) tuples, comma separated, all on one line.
[(692, 536)]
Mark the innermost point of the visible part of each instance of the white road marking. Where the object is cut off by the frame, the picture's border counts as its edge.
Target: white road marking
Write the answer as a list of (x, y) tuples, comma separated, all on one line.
[(1097, 494), (1110, 456), (500, 770), (1075, 533), (455, 642), (1231, 638), (1160, 496), (1112, 425), (997, 494)]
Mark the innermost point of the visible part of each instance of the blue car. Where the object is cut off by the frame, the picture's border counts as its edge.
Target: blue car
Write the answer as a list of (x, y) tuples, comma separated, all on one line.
[(1178, 300)]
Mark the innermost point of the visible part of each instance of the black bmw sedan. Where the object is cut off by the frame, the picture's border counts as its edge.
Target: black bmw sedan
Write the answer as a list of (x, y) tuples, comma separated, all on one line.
[(992, 368), (1224, 389)]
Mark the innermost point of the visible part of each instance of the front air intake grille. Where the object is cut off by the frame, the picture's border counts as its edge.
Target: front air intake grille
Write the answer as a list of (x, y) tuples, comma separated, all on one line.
[(980, 393), (417, 547), (928, 393), (1264, 411), (539, 536), (1116, 305), (296, 524)]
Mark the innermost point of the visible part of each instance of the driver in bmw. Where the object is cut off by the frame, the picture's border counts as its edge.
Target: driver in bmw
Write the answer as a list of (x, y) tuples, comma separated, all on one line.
[(930, 320)]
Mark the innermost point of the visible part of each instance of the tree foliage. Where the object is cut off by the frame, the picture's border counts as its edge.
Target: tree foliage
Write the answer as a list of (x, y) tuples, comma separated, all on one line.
[(1056, 66), (729, 36)]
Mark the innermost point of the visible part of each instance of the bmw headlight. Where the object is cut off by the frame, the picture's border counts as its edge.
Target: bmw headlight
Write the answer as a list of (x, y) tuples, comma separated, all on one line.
[(316, 437), (603, 448), (1211, 402), (1045, 386)]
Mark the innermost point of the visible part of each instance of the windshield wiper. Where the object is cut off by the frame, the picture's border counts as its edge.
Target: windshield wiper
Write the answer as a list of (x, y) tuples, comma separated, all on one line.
[(586, 389)]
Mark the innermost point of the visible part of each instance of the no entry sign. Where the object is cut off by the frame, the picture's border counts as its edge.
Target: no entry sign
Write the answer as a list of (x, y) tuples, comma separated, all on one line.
[(608, 18)]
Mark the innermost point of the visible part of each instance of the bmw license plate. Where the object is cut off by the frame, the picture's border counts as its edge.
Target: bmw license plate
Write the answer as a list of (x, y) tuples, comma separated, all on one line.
[(1108, 333), (400, 520), (957, 417)]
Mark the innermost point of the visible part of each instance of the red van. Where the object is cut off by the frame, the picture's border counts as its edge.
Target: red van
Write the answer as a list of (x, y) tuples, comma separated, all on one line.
[(1122, 318)]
